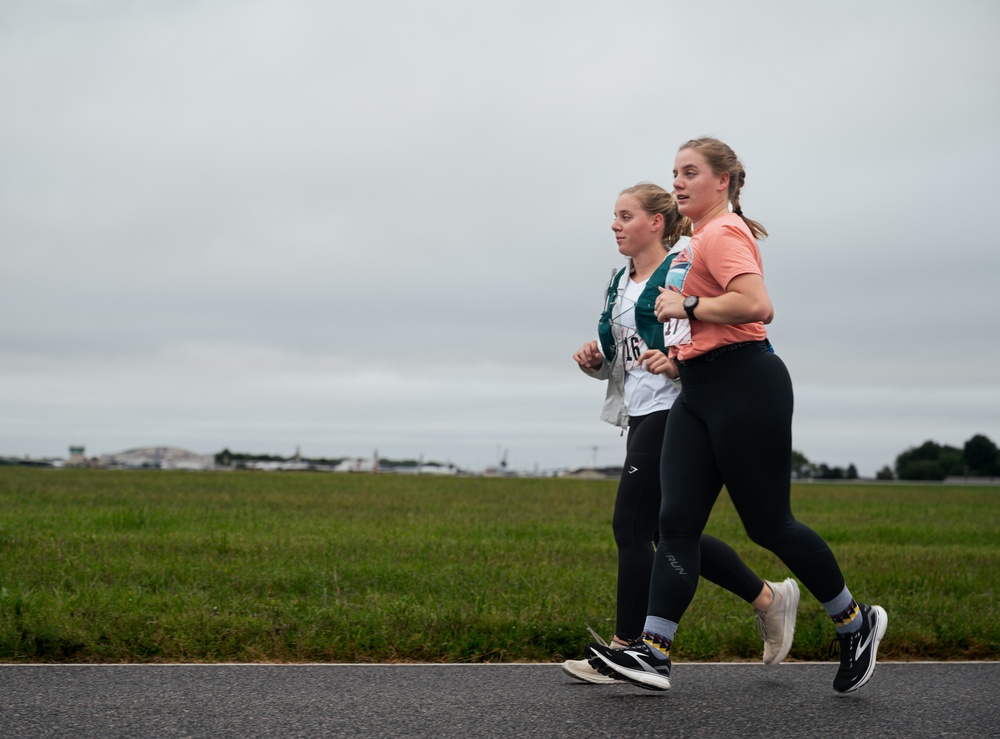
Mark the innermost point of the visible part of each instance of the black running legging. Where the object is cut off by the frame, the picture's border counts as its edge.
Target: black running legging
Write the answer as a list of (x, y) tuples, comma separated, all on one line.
[(732, 426), (635, 525)]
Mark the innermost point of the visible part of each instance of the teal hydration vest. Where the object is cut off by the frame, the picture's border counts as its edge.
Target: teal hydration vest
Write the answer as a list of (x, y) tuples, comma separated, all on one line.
[(649, 328)]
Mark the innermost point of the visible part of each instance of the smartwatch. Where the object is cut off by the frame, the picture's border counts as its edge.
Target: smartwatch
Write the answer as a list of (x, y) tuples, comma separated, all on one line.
[(690, 303)]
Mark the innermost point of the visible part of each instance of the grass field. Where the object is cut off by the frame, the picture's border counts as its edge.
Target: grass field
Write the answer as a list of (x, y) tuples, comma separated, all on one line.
[(149, 566)]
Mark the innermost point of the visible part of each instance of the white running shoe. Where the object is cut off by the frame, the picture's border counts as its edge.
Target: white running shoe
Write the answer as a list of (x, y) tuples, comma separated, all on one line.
[(777, 623), (581, 670)]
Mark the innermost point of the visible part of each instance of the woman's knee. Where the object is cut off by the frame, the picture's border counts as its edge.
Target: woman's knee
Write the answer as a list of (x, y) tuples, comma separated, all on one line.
[(772, 536), (632, 532)]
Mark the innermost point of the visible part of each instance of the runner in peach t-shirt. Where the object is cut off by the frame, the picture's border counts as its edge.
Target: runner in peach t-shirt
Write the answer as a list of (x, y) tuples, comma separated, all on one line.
[(726, 250)]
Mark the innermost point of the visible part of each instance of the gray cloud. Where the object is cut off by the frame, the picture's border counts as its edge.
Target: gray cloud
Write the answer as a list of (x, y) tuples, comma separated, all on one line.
[(262, 225)]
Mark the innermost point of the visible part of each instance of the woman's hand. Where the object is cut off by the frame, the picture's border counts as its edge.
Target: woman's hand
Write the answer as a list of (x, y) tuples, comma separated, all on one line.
[(589, 356), (669, 305), (658, 363)]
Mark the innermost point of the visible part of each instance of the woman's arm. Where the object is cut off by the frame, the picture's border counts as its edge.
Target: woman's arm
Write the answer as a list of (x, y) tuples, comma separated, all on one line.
[(746, 300)]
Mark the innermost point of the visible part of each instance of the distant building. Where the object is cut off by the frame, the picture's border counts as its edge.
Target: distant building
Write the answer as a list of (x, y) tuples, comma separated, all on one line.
[(158, 457), (358, 464), (76, 455), (430, 468), (278, 465), (593, 473)]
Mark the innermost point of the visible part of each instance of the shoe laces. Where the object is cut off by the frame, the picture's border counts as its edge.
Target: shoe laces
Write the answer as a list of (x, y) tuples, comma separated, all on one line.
[(761, 613), (610, 645), (649, 654), (761, 623), (636, 645), (597, 637), (846, 644)]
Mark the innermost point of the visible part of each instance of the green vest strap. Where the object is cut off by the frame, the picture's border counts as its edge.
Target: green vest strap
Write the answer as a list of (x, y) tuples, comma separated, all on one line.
[(649, 328), (604, 323)]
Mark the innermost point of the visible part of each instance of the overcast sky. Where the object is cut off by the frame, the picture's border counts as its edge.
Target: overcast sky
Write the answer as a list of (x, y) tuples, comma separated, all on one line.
[(263, 225)]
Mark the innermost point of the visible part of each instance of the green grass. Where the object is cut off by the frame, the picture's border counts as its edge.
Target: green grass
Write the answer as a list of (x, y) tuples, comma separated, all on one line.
[(146, 566)]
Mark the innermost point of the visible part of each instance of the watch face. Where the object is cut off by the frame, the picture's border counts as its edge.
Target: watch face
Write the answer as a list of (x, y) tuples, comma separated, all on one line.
[(690, 302)]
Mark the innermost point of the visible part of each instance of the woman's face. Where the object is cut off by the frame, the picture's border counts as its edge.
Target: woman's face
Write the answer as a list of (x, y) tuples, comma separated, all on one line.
[(635, 230), (699, 190)]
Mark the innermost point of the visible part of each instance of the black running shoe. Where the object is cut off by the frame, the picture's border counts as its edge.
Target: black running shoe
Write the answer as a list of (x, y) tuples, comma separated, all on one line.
[(857, 650), (635, 663)]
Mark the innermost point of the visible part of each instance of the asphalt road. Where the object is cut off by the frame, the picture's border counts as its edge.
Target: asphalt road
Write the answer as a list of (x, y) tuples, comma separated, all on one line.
[(521, 700)]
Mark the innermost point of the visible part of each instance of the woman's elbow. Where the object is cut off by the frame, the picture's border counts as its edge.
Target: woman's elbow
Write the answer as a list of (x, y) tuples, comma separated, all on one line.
[(762, 311)]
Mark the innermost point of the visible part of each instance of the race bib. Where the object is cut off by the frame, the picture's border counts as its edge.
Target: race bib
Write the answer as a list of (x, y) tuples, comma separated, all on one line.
[(676, 331)]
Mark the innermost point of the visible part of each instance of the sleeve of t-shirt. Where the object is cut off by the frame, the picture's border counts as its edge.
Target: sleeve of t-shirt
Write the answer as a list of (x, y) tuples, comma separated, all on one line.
[(733, 253)]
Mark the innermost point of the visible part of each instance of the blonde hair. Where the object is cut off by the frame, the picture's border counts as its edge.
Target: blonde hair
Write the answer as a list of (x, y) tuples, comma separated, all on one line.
[(654, 199), (723, 159)]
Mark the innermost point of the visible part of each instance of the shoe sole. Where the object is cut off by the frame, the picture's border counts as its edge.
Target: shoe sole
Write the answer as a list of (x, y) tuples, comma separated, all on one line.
[(640, 678), (788, 635), (881, 624), (594, 678)]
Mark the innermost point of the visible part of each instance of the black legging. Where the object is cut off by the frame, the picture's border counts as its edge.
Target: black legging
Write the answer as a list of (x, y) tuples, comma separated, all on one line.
[(635, 525), (732, 426)]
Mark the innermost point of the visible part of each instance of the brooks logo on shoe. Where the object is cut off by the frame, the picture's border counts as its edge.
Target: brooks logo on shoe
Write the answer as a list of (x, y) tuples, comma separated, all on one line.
[(864, 645), (640, 658)]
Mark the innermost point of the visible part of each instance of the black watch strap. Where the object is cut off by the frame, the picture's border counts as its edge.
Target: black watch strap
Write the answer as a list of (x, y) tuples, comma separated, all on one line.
[(690, 303)]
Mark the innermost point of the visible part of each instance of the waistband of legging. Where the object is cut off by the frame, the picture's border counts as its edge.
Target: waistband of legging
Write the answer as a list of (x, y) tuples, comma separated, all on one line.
[(711, 356)]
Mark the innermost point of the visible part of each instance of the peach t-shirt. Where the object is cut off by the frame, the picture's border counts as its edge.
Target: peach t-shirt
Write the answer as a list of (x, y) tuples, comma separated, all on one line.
[(719, 251)]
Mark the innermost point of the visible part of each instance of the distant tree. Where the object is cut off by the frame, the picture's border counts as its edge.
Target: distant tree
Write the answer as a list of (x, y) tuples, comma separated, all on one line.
[(802, 468), (328, 461), (825, 472), (885, 474), (928, 450), (929, 461), (920, 469), (981, 457), (226, 458), (952, 461), (852, 472)]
